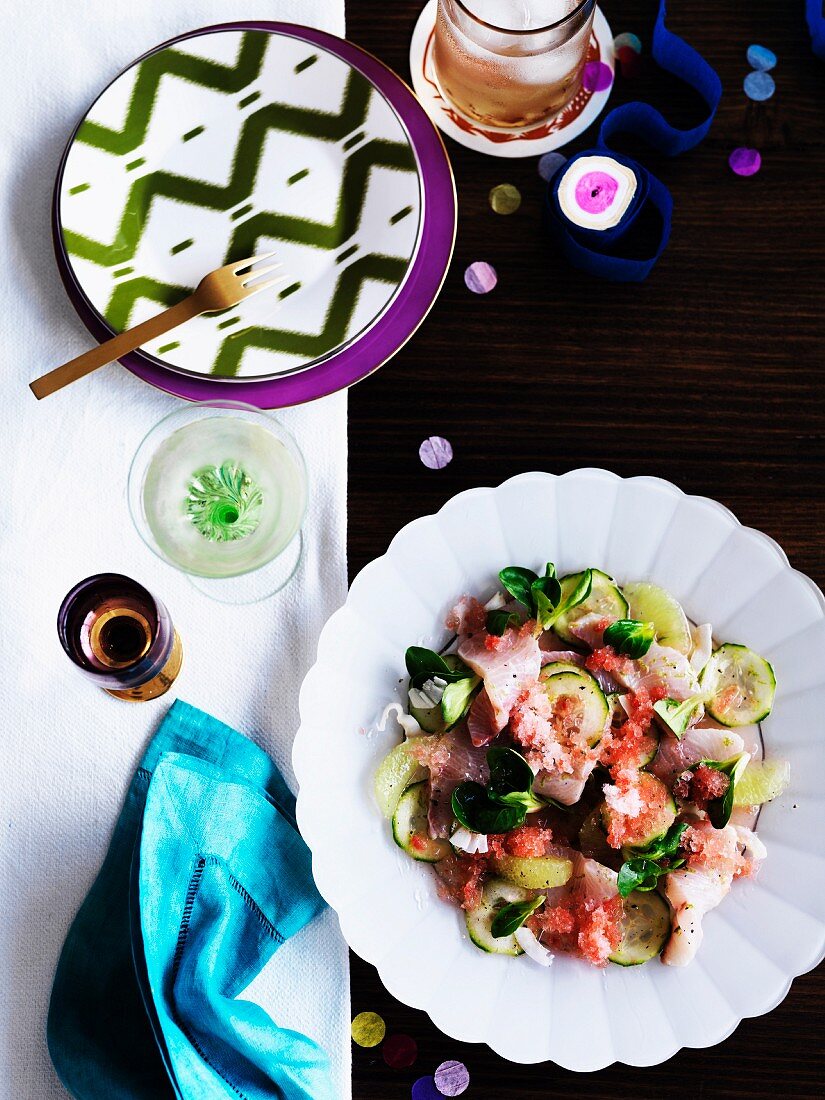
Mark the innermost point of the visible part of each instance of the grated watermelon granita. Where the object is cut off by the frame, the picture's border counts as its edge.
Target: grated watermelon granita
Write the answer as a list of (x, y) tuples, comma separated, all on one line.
[(637, 807), (583, 928), (526, 841), (632, 743), (550, 732), (714, 850), (467, 617), (460, 878), (607, 659)]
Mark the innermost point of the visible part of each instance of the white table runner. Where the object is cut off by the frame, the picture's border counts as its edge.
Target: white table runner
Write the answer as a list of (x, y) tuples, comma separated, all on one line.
[(67, 751)]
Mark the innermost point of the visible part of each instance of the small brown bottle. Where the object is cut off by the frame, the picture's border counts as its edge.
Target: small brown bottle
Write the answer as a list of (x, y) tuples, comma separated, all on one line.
[(120, 637)]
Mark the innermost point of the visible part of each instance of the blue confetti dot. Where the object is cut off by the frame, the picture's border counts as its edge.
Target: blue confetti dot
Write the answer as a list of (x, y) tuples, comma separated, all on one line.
[(759, 86), (761, 58), (626, 39), (424, 1089), (549, 164)]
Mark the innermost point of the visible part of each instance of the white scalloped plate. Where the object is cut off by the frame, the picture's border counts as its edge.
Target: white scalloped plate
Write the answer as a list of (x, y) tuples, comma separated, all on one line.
[(764, 934)]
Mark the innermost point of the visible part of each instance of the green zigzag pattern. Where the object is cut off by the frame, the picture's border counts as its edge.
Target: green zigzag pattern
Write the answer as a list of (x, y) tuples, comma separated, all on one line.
[(387, 269), (244, 172), (245, 165), (195, 70), (375, 154)]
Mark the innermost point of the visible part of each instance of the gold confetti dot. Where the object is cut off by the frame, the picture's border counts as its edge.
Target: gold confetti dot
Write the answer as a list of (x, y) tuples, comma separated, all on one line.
[(505, 198), (368, 1029)]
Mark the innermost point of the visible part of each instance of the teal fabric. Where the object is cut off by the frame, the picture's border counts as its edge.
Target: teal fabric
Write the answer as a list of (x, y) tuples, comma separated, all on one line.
[(205, 877)]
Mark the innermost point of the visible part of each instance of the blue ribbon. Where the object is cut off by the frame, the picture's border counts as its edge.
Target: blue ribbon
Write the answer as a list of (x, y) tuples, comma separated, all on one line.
[(816, 25), (612, 254)]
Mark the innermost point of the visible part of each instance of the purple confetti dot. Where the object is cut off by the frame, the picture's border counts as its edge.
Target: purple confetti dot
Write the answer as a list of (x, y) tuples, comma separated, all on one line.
[(550, 164), (480, 277), (452, 1078), (424, 1089), (745, 162), (436, 452), (597, 76)]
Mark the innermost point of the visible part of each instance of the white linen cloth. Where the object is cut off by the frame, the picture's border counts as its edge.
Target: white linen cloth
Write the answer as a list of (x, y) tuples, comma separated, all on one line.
[(67, 750)]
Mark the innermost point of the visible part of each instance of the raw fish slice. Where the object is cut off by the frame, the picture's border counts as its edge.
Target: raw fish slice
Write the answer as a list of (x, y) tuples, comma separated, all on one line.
[(661, 670), (699, 743), (451, 759), (715, 858), (566, 789), (592, 882), (606, 681), (481, 720), (507, 665), (552, 656), (691, 894), (590, 628)]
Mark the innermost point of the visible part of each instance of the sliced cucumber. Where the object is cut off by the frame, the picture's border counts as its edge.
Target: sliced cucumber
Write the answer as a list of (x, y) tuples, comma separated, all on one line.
[(645, 928), (495, 895), (653, 604), (409, 826), (762, 781), (739, 685), (394, 774), (647, 752), (430, 719), (605, 599), (652, 790), (455, 701), (592, 839), (582, 686), (555, 667), (534, 873)]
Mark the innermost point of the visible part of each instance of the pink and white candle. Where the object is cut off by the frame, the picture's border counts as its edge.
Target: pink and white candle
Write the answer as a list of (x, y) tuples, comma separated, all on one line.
[(596, 192)]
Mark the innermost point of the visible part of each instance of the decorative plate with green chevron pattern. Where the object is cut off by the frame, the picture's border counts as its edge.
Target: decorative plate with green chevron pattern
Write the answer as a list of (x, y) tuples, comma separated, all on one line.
[(227, 144)]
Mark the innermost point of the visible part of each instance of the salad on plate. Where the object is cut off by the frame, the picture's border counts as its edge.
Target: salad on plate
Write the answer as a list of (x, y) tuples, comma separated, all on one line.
[(582, 766)]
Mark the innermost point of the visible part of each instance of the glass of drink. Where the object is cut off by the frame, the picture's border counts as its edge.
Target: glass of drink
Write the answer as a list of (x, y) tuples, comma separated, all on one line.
[(219, 490), (511, 62), (120, 636)]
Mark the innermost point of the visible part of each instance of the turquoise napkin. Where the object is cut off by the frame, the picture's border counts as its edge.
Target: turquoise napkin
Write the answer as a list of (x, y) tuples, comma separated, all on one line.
[(206, 876)]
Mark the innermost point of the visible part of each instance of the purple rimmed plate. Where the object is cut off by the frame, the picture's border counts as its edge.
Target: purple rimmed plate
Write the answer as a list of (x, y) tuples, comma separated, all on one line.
[(397, 299)]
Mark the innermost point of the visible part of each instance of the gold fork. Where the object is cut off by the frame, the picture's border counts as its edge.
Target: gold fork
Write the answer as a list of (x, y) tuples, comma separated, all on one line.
[(220, 289)]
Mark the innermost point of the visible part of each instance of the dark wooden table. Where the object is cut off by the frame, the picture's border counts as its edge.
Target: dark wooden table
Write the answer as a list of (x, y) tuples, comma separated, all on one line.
[(710, 374)]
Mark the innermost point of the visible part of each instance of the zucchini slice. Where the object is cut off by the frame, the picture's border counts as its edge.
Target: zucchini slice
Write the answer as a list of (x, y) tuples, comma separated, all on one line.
[(652, 604), (605, 598), (429, 719), (652, 790), (409, 826), (739, 684), (534, 873), (394, 774), (555, 667), (456, 700), (593, 841), (645, 928), (582, 686), (495, 895)]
